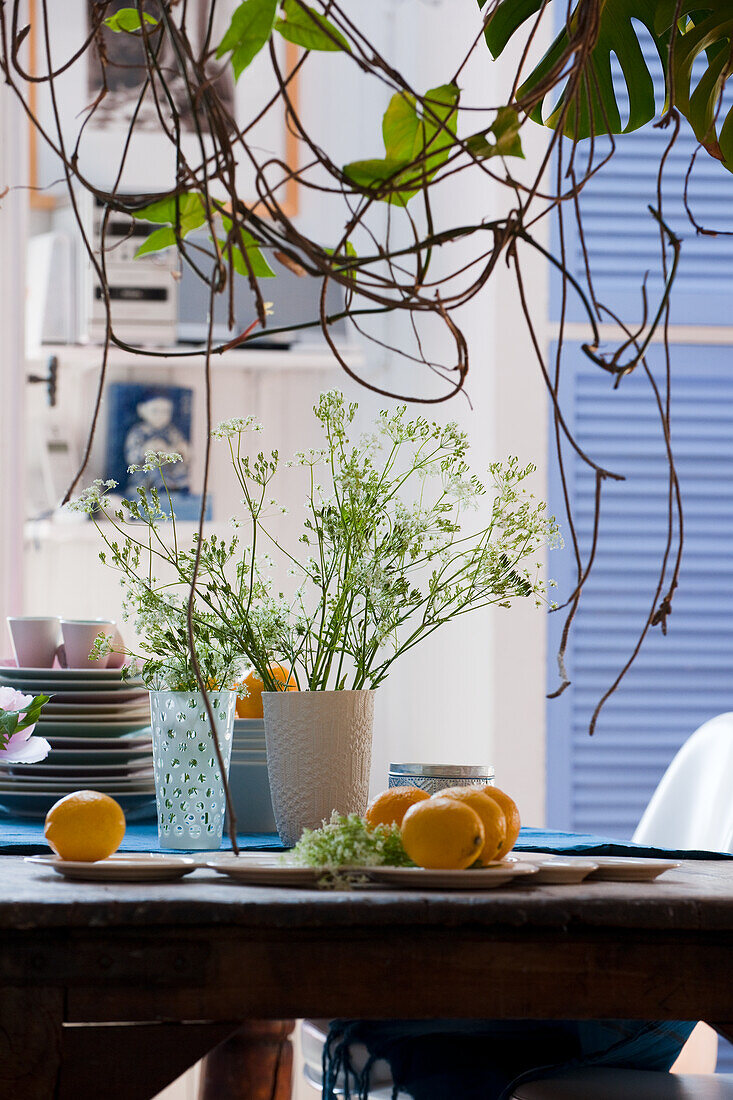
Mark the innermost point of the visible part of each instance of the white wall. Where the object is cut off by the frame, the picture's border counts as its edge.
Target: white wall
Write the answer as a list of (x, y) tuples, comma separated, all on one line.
[(474, 692)]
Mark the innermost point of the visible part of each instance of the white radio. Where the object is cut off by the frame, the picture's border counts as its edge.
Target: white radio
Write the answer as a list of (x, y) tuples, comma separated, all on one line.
[(143, 292)]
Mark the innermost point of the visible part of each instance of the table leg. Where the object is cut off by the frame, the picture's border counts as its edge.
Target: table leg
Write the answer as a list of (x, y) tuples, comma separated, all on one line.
[(253, 1064), (30, 1042)]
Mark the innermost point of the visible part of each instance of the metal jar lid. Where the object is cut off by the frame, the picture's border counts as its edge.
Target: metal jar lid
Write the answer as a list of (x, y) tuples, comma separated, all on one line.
[(444, 771)]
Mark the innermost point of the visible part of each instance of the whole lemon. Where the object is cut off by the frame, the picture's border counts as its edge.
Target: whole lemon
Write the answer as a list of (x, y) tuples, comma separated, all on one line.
[(389, 807), (85, 826), (491, 815), (442, 834), (511, 813), (250, 705)]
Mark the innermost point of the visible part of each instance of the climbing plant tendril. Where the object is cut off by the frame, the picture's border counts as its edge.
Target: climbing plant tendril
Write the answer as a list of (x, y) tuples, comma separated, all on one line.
[(387, 236)]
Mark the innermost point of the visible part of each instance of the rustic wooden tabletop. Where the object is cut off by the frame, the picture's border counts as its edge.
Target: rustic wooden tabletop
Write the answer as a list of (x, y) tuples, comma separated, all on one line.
[(208, 949), (697, 895)]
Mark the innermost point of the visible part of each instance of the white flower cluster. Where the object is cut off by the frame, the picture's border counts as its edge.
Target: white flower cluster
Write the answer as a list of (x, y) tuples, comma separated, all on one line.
[(382, 559), (227, 429), (154, 460), (92, 499)]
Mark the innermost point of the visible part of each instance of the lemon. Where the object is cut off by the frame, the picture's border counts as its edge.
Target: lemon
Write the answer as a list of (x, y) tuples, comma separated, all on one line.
[(389, 807), (85, 825), (511, 813), (491, 815), (250, 705), (442, 834)]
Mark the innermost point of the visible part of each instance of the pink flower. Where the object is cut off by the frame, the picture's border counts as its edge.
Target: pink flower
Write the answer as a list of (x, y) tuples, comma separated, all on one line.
[(22, 747)]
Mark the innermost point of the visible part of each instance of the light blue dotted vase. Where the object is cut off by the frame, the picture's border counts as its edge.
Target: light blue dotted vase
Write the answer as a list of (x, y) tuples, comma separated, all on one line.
[(188, 789)]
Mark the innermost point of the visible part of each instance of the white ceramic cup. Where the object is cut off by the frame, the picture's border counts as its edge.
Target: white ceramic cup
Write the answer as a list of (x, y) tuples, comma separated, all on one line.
[(79, 635), (35, 640)]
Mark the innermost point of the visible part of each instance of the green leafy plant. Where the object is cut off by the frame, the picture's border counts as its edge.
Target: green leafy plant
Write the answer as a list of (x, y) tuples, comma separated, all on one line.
[(187, 212), (382, 562), (128, 20), (304, 26), (706, 30), (254, 21), (416, 144), (595, 33), (420, 260), (249, 31)]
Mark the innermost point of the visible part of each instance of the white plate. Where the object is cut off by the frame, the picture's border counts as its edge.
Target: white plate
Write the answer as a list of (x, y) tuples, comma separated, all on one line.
[(47, 767), (104, 759), (557, 870), (113, 721), (630, 868), (126, 743), (119, 785), (13, 672), (121, 868), (52, 685), (476, 878), (81, 730), (118, 697), (267, 870), (94, 710)]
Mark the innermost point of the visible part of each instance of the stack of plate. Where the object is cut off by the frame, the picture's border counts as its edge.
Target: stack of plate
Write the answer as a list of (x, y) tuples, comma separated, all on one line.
[(98, 726), (248, 780)]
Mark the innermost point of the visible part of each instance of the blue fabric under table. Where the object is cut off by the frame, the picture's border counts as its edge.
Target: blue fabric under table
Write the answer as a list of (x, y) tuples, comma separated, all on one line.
[(587, 844), (26, 838)]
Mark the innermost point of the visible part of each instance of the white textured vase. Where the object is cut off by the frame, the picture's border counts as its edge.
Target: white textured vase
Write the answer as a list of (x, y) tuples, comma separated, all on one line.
[(319, 753), (188, 787)]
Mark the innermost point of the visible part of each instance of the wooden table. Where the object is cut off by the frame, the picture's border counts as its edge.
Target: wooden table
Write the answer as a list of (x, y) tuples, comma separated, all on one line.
[(183, 965)]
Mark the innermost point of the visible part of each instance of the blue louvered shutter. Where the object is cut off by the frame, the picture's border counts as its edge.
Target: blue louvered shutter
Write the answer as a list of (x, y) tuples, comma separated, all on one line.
[(683, 679), (602, 784)]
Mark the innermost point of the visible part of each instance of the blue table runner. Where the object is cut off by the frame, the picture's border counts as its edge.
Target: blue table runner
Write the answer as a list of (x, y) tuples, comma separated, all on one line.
[(24, 837)]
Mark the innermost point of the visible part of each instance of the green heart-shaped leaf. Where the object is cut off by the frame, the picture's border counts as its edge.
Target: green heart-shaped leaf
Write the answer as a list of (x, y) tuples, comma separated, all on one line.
[(416, 145), (260, 267), (309, 29), (505, 132), (248, 32), (128, 19)]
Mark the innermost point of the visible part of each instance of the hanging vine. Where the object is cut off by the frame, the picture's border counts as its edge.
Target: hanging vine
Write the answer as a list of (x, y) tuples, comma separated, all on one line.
[(384, 203)]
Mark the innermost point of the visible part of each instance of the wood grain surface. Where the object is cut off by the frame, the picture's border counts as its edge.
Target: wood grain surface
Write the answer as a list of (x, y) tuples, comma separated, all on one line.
[(218, 954), (698, 895)]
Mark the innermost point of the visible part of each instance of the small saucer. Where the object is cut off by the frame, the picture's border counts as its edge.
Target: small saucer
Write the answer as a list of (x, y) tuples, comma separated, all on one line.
[(120, 868)]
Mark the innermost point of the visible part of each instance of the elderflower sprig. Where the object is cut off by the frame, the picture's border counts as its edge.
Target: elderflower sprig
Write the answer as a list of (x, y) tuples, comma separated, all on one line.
[(345, 843)]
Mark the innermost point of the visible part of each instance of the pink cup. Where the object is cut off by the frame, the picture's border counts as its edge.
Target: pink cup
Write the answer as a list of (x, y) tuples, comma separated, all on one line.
[(79, 636), (35, 639)]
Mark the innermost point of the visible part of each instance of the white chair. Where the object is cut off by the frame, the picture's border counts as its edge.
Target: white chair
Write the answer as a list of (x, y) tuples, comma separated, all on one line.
[(691, 809)]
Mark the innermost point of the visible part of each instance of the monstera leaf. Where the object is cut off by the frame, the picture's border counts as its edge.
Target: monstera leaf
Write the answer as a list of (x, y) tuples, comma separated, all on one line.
[(702, 28), (592, 108)]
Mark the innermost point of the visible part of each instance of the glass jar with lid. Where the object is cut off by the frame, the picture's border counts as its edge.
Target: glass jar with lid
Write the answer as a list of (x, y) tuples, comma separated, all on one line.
[(434, 777)]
